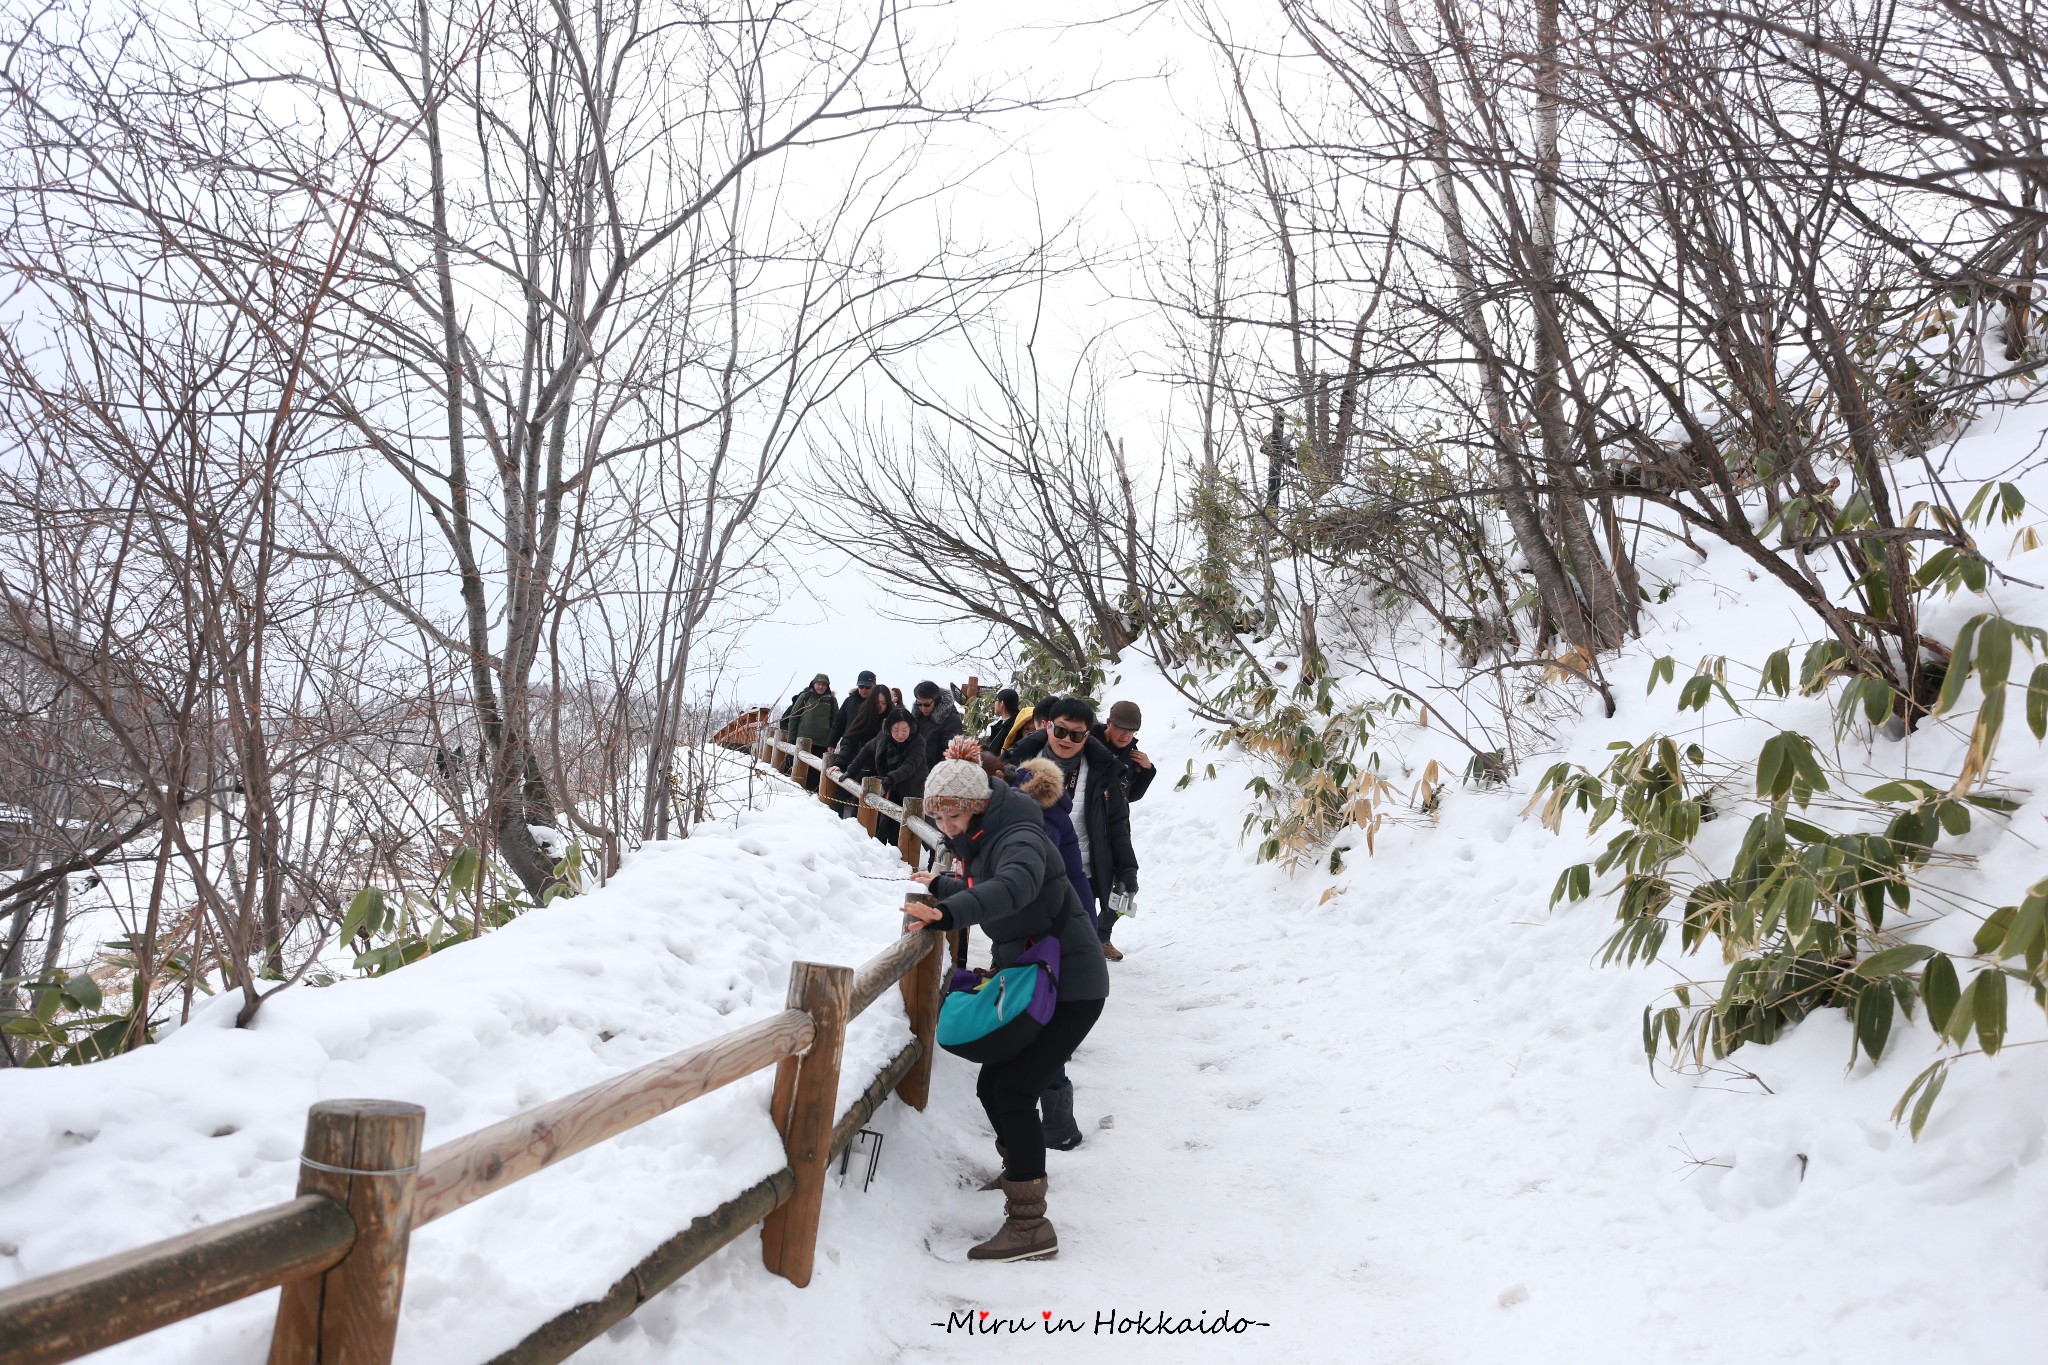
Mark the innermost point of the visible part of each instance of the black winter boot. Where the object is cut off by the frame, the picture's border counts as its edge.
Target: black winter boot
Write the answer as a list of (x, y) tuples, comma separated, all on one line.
[(1056, 1106)]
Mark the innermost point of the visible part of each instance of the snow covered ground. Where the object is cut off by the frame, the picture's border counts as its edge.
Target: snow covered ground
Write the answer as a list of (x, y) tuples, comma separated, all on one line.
[(1410, 1123), (1396, 1113), (691, 940), (1413, 1124)]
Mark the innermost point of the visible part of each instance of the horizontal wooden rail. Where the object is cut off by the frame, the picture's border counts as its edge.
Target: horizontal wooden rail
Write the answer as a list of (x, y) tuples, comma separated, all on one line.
[(95, 1305), (926, 832), (568, 1332), (467, 1169), (886, 968), (856, 1117), (310, 1244)]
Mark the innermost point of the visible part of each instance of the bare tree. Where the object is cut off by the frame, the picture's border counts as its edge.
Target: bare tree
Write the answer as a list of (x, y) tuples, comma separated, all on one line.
[(1016, 508)]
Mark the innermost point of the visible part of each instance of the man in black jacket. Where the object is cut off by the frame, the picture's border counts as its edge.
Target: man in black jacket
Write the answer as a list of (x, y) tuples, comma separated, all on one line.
[(1102, 811), (1120, 733), (849, 710), (938, 720), (854, 725)]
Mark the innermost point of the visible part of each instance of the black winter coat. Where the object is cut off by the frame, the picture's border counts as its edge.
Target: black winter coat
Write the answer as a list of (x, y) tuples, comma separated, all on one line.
[(900, 766), (856, 730), (1011, 882), (1102, 803), (938, 729), (1136, 779), (848, 709)]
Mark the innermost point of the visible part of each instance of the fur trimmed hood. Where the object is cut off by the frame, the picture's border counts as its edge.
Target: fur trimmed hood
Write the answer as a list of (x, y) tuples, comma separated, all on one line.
[(1041, 780)]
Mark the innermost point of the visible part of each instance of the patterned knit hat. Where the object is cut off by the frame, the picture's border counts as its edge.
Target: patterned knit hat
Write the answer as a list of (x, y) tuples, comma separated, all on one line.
[(956, 785)]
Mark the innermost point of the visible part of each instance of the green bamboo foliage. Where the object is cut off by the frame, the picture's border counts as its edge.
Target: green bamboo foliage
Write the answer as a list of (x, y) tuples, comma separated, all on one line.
[(1803, 915)]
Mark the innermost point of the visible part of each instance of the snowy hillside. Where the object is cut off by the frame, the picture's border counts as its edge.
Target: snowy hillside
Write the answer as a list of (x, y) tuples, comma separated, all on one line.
[(1410, 1121), (691, 940), (1392, 1112)]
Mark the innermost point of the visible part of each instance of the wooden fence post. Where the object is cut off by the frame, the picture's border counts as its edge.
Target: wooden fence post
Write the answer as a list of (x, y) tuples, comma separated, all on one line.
[(365, 1156), (923, 989), (908, 844), (829, 792), (799, 769), (806, 1095), (868, 814)]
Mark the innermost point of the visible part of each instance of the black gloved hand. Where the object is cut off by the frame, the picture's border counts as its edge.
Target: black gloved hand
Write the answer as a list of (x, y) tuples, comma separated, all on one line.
[(1127, 883)]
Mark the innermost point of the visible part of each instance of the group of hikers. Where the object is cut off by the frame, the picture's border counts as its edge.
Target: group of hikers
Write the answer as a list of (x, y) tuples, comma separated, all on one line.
[(1037, 813)]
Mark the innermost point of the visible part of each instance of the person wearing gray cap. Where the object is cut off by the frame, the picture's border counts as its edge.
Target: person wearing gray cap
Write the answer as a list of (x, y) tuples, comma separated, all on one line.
[(1120, 733)]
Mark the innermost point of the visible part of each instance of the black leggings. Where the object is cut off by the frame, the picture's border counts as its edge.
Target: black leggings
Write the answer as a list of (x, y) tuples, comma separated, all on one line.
[(1009, 1090)]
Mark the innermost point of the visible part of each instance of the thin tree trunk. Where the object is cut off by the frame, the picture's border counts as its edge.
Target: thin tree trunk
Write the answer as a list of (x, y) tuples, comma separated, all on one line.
[(1518, 491), (60, 920)]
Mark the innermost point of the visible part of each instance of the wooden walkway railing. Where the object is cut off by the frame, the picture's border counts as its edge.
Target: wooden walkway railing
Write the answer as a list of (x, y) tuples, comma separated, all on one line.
[(914, 835), (916, 832), (338, 1249)]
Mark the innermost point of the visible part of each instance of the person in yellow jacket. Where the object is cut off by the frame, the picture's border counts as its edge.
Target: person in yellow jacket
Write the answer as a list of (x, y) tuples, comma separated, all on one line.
[(1026, 724)]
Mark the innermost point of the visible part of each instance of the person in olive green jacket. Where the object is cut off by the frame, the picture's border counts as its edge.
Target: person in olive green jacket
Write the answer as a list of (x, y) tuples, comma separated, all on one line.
[(810, 717)]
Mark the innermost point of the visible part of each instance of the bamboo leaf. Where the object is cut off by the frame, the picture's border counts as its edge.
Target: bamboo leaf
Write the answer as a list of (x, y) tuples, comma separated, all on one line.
[(1907, 790), (1927, 1085), (1958, 667), (2027, 932), (1874, 1020), (1939, 988), (1777, 674), (365, 914), (1983, 741), (1994, 654), (1894, 960), (1989, 986)]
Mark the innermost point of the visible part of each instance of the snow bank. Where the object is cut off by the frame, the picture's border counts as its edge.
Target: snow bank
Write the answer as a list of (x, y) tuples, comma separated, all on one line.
[(691, 940), (1391, 1113), (1399, 1114)]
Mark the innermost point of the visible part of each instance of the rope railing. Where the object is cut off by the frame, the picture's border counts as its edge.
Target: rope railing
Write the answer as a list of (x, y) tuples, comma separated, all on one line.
[(783, 756), (339, 1248)]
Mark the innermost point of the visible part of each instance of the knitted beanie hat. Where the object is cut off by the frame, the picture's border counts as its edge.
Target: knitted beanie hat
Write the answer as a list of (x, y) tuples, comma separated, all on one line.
[(956, 784)]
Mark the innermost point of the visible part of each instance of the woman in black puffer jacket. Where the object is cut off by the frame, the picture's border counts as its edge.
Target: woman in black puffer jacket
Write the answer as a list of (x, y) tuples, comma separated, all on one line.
[(1010, 880), (897, 756)]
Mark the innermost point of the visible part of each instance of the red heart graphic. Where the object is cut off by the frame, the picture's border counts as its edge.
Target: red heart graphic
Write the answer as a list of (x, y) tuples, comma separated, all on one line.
[(984, 1314), (1043, 1314)]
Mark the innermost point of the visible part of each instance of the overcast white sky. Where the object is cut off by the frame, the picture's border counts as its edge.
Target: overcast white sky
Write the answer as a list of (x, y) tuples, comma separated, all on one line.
[(1114, 166)]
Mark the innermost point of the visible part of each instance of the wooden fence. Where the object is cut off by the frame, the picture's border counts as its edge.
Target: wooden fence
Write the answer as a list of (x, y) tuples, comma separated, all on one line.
[(914, 833), (338, 1249)]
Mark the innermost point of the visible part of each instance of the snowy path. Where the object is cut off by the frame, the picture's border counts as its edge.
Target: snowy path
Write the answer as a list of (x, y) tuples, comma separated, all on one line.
[(1408, 1125), (1396, 1113)]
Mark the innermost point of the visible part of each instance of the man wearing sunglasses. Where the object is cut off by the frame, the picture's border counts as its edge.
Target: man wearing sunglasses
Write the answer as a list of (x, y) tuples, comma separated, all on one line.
[(938, 720), (1102, 810)]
